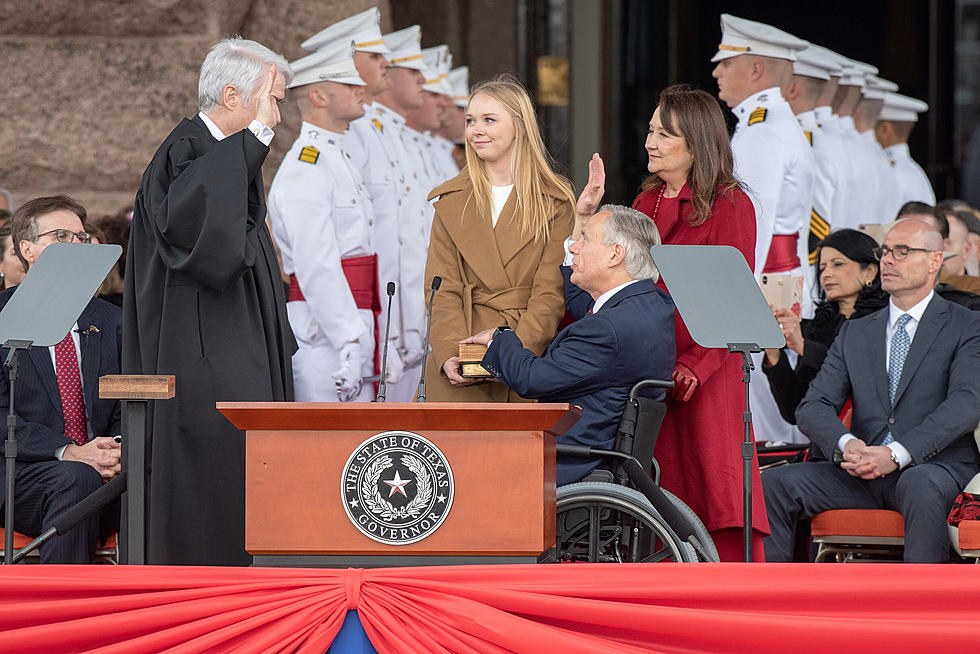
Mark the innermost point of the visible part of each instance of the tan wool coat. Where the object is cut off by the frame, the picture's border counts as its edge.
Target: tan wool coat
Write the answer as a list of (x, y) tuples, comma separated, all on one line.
[(490, 277)]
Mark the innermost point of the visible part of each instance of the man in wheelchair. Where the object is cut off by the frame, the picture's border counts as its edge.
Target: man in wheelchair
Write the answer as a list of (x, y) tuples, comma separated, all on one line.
[(623, 333)]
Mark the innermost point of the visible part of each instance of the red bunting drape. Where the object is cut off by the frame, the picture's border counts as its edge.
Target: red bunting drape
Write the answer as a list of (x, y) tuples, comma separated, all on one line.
[(474, 609)]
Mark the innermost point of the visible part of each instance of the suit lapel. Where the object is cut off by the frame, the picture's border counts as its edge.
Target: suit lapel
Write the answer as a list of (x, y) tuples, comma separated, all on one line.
[(90, 341), (638, 287), (925, 334), (876, 353)]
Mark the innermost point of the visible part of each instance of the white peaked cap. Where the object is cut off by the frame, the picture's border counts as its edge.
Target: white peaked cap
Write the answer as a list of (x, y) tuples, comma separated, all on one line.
[(740, 36), (406, 48), (435, 59), (856, 72), (875, 87), (902, 108), (330, 64), (459, 78), (363, 28), (817, 62)]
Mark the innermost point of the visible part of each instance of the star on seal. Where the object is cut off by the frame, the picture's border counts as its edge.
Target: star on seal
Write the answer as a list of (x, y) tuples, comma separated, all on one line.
[(398, 485)]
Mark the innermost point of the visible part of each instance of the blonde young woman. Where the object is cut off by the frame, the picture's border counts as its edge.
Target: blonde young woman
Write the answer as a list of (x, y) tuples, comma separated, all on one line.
[(497, 241)]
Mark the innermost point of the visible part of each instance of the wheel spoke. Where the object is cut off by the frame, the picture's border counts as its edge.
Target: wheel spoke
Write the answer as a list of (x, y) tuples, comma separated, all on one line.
[(614, 525)]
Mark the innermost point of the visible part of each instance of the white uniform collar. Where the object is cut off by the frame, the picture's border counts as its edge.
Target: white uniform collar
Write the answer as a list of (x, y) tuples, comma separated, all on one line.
[(916, 311), (847, 123), (605, 297), (414, 134), (324, 138), (823, 115), (390, 114), (899, 151), (215, 132), (808, 120), (766, 97)]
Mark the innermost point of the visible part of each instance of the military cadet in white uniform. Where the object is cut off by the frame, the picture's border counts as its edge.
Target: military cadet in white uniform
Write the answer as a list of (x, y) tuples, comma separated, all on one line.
[(442, 147), (455, 127), (375, 157), (388, 123), (811, 73), (773, 158), (322, 220), (841, 168), (865, 118), (864, 191), (898, 116), (428, 118)]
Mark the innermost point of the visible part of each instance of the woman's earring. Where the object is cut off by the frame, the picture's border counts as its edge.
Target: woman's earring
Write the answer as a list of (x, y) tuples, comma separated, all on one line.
[(869, 283)]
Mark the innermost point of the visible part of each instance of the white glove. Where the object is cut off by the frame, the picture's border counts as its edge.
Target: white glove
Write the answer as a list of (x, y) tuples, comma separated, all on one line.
[(412, 348), (347, 377), (395, 366)]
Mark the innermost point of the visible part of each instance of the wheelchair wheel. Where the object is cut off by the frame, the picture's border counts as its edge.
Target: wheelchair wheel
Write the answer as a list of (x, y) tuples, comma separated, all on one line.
[(600, 522)]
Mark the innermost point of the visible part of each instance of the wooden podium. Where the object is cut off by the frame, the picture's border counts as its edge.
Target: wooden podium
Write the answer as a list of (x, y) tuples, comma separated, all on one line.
[(300, 511)]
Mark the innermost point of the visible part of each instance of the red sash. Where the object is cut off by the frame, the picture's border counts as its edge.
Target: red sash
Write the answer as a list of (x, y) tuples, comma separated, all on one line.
[(782, 254), (362, 278)]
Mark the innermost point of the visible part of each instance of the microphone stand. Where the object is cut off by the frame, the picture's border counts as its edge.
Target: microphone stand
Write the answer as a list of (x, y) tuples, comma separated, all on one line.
[(383, 382), (420, 396)]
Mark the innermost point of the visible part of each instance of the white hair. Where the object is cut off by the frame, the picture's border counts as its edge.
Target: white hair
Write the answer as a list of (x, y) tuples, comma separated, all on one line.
[(236, 62), (637, 233)]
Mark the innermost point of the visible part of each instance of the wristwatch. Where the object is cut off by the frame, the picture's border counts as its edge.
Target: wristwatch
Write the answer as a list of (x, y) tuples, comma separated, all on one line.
[(500, 330), (898, 463)]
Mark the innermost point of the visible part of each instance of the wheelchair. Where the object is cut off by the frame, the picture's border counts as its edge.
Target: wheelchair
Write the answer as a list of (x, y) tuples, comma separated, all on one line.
[(620, 514)]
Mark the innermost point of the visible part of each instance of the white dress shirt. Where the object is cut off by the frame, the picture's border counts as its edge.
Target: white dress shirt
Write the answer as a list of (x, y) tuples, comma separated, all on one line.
[(261, 131), (605, 297)]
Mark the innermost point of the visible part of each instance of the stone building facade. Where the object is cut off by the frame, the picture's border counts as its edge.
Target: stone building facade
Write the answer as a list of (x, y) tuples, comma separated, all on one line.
[(90, 88)]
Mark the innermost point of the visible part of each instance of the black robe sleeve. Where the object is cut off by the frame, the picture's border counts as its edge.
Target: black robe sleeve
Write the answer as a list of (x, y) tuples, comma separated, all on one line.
[(196, 198)]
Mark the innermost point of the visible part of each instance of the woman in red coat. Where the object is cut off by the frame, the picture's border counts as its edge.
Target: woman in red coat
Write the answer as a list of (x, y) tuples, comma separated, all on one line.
[(694, 199)]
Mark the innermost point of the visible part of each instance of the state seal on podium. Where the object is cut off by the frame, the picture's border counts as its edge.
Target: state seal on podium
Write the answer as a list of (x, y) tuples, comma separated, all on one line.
[(397, 487)]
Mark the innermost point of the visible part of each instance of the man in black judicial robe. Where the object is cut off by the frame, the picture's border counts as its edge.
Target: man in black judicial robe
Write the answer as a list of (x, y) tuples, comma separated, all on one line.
[(204, 301)]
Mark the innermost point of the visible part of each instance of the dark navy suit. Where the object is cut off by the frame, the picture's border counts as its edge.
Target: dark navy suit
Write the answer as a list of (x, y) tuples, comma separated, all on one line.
[(44, 486), (593, 362), (936, 409)]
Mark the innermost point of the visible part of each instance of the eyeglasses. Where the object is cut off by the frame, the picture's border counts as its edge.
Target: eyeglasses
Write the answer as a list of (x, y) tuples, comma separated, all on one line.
[(899, 252), (66, 235)]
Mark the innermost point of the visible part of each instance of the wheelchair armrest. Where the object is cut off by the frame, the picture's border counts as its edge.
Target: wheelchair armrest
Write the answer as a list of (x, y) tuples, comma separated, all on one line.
[(649, 383)]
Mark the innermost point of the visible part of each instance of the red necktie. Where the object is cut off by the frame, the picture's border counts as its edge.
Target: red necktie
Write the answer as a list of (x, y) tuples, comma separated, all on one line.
[(70, 387)]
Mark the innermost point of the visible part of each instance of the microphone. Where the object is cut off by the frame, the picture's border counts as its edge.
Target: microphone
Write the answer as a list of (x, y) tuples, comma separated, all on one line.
[(436, 281), (382, 384)]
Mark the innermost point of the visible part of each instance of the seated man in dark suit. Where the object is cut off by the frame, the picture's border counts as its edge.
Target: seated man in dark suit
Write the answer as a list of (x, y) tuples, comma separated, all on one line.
[(65, 445), (623, 333), (912, 371)]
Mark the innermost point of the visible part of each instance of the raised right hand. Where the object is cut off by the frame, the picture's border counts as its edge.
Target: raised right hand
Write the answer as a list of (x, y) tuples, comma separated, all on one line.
[(592, 194), (266, 105), (102, 453)]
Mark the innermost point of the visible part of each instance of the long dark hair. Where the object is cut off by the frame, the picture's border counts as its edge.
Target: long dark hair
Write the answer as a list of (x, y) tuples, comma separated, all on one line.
[(695, 115), (859, 247)]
